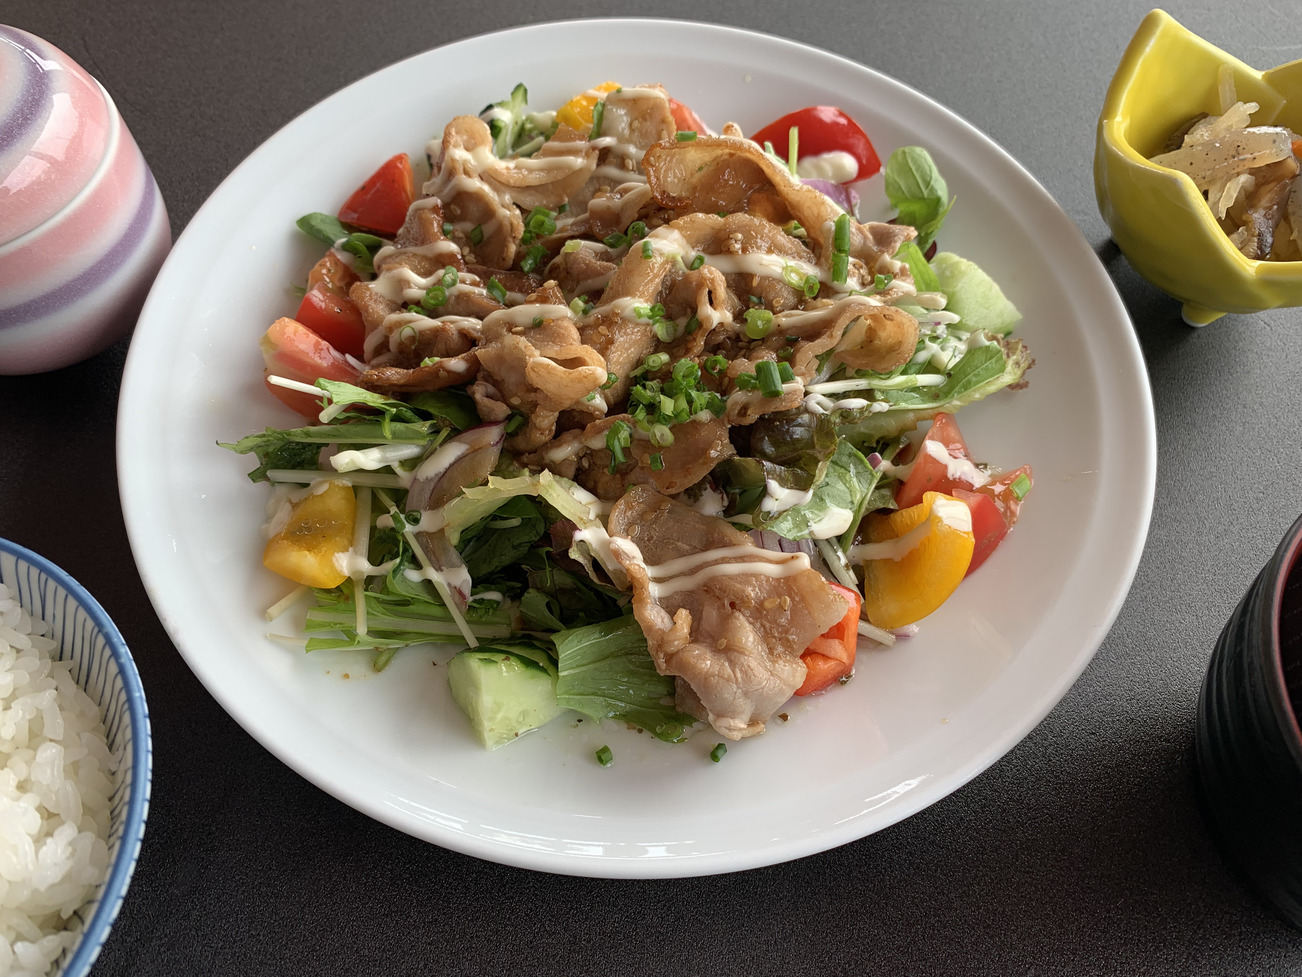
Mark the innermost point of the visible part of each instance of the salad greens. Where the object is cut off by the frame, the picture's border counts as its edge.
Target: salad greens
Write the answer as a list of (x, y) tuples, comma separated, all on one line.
[(916, 189), (545, 612)]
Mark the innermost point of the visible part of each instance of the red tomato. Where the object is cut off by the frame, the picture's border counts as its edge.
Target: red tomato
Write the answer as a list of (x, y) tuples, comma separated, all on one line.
[(830, 656), (685, 119), (988, 525), (293, 351), (333, 272), (334, 318), (942, 446), (942, 465), (380, 204), (823, 129)]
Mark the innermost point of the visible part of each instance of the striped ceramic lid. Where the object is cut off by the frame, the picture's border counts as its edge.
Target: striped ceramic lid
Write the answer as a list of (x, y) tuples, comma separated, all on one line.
[(54, 127)]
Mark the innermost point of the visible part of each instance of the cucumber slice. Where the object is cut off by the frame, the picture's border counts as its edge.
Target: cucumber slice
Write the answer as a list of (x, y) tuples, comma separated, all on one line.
[(503, 695)]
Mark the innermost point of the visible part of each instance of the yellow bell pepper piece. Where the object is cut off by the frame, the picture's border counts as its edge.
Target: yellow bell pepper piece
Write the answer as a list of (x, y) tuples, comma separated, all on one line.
[(577, 112), (915, 558), (320, 527)]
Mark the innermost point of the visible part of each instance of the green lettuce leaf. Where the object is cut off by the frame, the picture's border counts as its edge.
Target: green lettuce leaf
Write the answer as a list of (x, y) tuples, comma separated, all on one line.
[(839, 499), (917, 191), (502, 538), (981, 371), (606, 672)]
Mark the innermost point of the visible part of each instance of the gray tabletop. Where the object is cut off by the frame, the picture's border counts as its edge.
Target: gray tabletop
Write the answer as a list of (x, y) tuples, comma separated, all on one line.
[(1081, 851)]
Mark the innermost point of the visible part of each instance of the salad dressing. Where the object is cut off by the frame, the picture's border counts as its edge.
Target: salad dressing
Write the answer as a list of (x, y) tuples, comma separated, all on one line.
[(951, 512)]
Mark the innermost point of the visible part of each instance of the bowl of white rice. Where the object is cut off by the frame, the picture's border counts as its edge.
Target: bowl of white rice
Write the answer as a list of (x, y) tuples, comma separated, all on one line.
[(75, 764)]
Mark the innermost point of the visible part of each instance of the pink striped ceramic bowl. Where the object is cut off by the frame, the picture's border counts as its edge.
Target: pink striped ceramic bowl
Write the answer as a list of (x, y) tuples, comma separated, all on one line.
[(83, 228)]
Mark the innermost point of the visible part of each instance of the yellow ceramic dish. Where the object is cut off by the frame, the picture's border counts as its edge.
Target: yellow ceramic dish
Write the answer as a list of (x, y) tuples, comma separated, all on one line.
[(1158, 218)]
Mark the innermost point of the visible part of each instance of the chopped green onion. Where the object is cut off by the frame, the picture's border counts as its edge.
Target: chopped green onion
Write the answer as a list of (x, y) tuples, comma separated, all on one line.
[(792, 276), (450, 277), (604, 755), (880, 282), (496, 290), (1021, 485), (716, 364), (666, 330), (417, 310), (696, 262), (810, 286), (636, 231), (656, 361), (657, 462), (793, 138), (717, 753), (598, 113), (841, 234), (786, 372), (435, 296), (540, 222), (477, 234), (611, 380), (572, 245), (533, 258), (661, 436), (615, 241), (648, 250), (747, 381), (840, 267), (770, 379), (515, 422), (448, 228), (759, 322), (537, 321), (577, 307), (693, 324), (618, 437), (795, 229), (685, 136)]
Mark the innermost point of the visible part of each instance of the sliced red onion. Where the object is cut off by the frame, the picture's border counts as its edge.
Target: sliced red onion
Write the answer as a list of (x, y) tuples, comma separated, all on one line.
[(875, 461), (768, 540), (839, 193), (458, 463)]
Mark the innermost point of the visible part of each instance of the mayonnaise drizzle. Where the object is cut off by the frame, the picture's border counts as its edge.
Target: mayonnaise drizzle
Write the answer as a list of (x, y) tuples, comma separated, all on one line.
[(951, 512)]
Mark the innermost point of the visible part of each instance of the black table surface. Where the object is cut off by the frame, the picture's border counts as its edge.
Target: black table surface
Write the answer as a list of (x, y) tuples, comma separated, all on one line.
[(1082, 851)]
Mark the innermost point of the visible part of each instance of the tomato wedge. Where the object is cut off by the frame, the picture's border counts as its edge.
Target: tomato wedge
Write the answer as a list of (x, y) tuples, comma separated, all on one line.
[(940, 464), (327, 310), (830, 656), (334, 318), (995, 507), (380, 204), (988, 525), (823, 129), (685, 119), (293, 351)]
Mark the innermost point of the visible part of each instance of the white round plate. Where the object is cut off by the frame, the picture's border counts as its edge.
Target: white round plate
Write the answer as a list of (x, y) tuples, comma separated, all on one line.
[(916, 722)]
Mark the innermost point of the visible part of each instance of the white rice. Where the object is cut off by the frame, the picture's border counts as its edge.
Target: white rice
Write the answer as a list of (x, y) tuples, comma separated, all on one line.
[(55, 784)]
